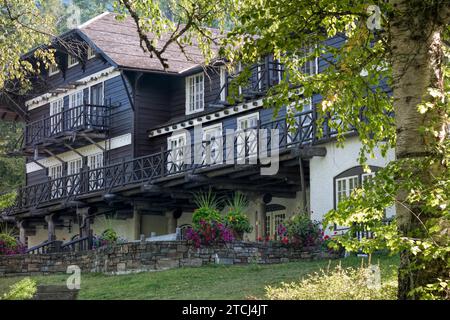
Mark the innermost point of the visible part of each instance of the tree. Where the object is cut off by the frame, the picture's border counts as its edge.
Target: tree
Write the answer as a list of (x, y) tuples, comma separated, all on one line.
[(398, 44)]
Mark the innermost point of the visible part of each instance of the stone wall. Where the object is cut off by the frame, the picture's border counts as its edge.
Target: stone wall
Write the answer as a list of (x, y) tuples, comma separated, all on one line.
[(150, 256)]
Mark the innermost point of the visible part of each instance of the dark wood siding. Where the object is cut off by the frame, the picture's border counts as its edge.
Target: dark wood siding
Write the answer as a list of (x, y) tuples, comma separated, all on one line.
[(152, 109), (122, 113), (37, 177), (77, 72)]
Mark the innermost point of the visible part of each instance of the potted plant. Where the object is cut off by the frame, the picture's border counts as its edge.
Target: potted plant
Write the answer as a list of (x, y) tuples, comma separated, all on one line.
[(207, 208), (236, 219)]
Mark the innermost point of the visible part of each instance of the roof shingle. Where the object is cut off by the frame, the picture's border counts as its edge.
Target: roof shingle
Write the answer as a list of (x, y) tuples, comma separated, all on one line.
[(119, 40)]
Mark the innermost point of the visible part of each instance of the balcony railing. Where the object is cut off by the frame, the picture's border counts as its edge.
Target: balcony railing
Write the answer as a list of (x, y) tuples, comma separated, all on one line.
[(262, 76), (83, 117), (240, 147)]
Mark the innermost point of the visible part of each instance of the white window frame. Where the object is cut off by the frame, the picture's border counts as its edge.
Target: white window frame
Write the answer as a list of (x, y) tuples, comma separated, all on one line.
[(72, 61), (223, 80), (273, 220), (369, 175), (242, 136), (347, 192), (74, 166), (74, 114), (56, 109), (91, 53), (53, 69), (175, 158), (55, 172), (95, 161), (102, 92), (217, 149), (197, 93)]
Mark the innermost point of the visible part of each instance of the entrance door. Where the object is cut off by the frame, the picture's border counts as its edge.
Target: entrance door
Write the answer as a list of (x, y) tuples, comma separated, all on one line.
[(273, 220)]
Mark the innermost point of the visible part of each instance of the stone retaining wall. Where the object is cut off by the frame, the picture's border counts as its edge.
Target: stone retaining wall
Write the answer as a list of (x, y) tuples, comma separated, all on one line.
[(150, 256)]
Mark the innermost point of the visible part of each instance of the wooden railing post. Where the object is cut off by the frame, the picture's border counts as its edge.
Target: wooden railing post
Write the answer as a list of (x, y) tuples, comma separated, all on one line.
[(267, 75), (314, 124), (162, 162)]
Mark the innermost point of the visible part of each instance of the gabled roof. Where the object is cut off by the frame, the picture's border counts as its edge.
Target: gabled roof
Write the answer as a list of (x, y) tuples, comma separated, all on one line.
[(119, 41)]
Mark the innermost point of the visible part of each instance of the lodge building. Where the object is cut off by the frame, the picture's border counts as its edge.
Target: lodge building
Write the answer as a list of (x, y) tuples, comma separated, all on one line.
[(109, 133)]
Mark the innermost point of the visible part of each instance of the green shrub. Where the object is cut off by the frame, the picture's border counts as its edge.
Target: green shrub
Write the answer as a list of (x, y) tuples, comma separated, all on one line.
[(8, 239), (302, 231), (22, 290), (236, 218), (338, 284), (110, 235), (205, 214), (208, 208)]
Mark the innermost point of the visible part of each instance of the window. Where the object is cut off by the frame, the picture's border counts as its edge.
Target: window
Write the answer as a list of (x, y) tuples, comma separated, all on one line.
[(55, 172), (74, 166), (91, 53), (56, 184), (96, 97), (194, 93), (345, 186), (53, 69), (75, 106), (367, 177), (73, 179), (96, 116), (310, 67), (56, 123), (71, 61), (176, 144), (95, 162), (247, 142), (223, 82), (212, 146)]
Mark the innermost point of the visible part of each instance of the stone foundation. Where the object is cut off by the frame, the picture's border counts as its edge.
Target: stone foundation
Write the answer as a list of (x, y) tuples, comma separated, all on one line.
[(151, 256)]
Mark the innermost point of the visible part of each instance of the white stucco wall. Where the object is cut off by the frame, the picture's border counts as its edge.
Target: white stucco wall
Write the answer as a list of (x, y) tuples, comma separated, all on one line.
[(337, 160)]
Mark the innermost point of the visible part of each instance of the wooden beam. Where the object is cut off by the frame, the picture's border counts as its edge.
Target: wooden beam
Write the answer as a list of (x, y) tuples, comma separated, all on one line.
[(309, 152), (55, 156), (74, 150)]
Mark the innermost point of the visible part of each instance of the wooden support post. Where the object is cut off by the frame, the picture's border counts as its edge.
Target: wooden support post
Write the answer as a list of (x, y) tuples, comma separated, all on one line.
[(171, 222), (50, 227), (22, 234), (303, 182), (137, 223), (261, 218), (84, 221)]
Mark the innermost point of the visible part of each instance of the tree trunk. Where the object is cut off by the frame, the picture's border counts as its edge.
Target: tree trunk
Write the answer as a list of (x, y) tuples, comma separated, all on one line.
[(417, 57)]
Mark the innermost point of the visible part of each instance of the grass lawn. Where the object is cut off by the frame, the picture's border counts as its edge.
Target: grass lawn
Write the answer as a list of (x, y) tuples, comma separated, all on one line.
[(210, 282)]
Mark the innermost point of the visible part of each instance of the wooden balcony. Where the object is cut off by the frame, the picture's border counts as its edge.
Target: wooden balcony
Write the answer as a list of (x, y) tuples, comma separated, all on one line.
[(86, 118), (228, 161), (261, 77)]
